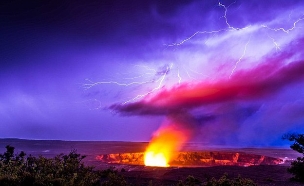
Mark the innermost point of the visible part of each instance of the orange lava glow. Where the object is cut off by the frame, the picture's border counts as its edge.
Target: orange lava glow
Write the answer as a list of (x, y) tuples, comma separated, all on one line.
[(163, 145)]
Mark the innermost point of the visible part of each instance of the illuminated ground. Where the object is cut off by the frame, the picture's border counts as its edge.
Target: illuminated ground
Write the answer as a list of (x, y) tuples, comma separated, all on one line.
[(263, 175)]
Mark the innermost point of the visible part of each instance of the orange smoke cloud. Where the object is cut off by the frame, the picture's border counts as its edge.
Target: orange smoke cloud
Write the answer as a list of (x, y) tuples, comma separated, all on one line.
[(166, 141)]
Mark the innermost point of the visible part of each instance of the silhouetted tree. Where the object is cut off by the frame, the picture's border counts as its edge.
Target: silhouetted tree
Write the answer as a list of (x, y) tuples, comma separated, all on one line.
[(297, 166)]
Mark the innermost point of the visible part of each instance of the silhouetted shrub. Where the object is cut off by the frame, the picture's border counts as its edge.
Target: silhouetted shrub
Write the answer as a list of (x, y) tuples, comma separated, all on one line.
[(189, 181), (223, 181), (113, 179)]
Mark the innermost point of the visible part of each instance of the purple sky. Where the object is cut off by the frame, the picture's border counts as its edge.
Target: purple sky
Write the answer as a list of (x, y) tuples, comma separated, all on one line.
[(118, 70)]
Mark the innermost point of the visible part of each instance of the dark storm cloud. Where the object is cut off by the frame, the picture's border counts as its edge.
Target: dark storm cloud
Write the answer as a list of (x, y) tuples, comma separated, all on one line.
[(91, 19)]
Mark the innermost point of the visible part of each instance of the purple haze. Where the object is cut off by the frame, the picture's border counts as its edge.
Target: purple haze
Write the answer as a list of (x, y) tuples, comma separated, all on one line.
[(235, 66)]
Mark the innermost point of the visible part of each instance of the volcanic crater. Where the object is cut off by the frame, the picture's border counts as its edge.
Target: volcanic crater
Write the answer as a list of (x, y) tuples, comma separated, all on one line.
[(195, 159)]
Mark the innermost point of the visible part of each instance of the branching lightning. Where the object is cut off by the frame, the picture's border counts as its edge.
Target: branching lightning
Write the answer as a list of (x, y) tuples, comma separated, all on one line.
[(225, 15), (159, 81), (283, 29), (149, 71), (231, 28), (91, 84), (277, 46), (213, 31)]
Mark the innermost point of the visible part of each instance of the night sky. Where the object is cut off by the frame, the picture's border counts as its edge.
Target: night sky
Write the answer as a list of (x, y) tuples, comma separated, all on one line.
[(230, 72)]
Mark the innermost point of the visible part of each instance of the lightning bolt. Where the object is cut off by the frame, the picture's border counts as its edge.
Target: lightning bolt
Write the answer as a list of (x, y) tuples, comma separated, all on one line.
[(237, 62), (179, 77), (193, 35)]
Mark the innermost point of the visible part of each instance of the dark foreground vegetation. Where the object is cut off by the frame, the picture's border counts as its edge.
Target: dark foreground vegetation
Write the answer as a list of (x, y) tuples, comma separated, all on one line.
[(17, 169)]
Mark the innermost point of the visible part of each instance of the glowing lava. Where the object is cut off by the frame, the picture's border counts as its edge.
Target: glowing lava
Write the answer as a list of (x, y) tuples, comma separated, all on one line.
[(163, 145), (156, 159)]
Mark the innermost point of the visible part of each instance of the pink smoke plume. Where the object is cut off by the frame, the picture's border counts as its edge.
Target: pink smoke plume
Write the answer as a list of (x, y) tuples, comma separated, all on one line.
[(253, 84)]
